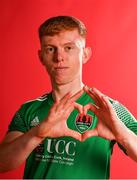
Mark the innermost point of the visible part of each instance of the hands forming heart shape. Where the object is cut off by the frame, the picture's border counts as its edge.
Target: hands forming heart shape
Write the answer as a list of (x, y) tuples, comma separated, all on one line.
[(108, 125), (101, 108)]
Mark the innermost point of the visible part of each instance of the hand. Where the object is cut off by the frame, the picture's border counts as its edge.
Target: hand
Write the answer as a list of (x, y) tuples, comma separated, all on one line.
[(109, 125), (55, 125)]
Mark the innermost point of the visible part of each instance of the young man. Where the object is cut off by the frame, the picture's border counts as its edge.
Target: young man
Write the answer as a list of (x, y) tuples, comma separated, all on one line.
[(70, 132)]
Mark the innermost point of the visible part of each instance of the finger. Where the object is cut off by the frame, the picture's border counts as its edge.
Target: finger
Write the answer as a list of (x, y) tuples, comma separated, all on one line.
[(72, 99), (73, 134), (76, 96), (92, 107), (86, 108), (108, 104), (65, 112), (98, 95), (91, 94), (67, 100), (89, 134), (68, 110), (59, 104), (78, 107)]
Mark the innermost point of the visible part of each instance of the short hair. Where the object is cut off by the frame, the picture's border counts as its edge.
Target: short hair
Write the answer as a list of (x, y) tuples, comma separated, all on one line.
[(57, 24)]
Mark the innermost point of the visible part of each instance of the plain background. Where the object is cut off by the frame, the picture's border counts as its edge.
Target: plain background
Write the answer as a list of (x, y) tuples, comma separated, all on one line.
[(112, 34)]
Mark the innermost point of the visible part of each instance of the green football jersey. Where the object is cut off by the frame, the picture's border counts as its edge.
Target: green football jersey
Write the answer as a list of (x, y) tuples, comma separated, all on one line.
[(66, 157)]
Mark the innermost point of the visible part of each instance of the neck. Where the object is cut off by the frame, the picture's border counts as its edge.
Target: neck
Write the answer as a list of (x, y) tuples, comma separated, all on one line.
[(59, 91)]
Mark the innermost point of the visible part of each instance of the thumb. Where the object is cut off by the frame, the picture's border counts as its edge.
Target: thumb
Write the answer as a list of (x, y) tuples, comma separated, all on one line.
[(89, 134)]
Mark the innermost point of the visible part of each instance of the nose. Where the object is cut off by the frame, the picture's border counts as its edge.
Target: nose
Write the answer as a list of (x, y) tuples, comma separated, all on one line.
[(59, 56)]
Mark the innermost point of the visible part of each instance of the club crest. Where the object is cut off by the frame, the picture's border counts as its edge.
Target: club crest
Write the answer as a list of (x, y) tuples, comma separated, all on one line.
[(83, 122)]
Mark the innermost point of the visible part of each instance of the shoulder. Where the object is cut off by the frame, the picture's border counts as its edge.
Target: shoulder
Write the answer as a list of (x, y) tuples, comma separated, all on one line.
[(122, 112), (38, 99), (35, 103), (30, 113)]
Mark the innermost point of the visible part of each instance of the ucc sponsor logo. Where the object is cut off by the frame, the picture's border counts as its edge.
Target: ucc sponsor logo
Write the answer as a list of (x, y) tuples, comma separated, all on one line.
[(61, 147), (56, 151)]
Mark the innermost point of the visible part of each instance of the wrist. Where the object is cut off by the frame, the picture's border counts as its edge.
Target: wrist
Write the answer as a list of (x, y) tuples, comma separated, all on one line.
[(125, 137), (42, 130)]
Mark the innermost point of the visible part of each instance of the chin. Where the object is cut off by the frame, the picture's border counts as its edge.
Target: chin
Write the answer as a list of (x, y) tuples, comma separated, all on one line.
[(62, 82)]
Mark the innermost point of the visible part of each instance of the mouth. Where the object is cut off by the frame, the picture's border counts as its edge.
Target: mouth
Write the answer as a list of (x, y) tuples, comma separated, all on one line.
[(61, 67), (62, 70)]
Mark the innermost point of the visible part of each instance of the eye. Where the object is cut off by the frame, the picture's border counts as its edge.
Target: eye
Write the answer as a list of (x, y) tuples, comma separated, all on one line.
[(68, 48), (50, 49)]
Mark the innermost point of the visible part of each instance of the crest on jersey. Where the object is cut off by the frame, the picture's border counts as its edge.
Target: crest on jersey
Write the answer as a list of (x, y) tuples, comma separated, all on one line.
[(83, 122)]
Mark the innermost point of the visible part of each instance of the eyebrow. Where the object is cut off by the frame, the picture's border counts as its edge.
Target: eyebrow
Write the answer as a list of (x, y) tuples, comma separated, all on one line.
[(68, 43)]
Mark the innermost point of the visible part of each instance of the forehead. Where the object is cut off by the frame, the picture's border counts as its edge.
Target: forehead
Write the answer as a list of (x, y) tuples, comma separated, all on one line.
[(63, 37)]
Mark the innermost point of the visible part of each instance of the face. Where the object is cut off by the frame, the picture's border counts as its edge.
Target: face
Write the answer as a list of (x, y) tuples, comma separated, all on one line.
[(63, 55)]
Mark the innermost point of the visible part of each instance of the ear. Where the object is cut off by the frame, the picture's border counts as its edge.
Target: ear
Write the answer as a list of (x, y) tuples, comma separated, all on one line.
[(86, 54), (40, 56)]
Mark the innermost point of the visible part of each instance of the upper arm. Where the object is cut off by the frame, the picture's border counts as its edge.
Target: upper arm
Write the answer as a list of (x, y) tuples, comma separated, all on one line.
[(11, 136)]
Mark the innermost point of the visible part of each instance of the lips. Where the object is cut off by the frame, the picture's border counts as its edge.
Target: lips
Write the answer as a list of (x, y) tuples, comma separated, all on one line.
[(61, 69)]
